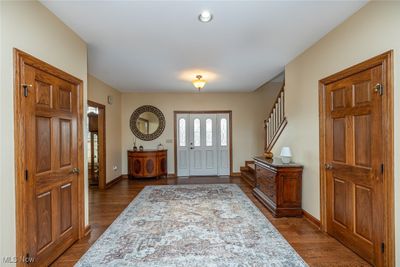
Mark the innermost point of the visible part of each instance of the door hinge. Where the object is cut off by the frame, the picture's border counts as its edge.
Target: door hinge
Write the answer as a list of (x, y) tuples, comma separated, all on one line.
[(383, 247), (382, 168), (378, 89), (25, 87), (26, 175)]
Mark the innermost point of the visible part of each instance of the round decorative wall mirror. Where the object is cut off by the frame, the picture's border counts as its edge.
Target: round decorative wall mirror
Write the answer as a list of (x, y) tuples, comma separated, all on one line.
[(147, 123)]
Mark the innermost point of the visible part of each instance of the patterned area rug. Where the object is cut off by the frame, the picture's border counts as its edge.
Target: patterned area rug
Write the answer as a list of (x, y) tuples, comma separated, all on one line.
[(191, 225)]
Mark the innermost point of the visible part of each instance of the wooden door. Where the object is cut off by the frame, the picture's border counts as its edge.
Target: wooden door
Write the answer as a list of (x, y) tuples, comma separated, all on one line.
[(50, 108), (138, 169), (162, 168), (150, 164), (97, 127), (354, 157)]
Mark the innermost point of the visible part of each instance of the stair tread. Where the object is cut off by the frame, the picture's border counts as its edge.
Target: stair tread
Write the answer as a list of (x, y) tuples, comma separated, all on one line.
[(252, 166), (249, 177), (247, 169), (248, 174)]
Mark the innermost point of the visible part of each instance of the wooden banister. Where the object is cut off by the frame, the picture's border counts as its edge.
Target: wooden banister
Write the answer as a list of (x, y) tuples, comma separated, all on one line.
[(275, 121)]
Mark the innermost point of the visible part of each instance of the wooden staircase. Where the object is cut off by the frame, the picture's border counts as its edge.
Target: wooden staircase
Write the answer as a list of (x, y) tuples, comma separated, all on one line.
[(248, 173), (274, 125)]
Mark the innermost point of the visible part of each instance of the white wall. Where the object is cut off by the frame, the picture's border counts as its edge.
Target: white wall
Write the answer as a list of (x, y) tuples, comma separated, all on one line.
[(98, 92), (30, 27), (371, 31)]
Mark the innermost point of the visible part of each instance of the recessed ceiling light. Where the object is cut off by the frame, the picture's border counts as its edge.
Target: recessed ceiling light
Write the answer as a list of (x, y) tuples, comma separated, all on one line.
[(205, 16)]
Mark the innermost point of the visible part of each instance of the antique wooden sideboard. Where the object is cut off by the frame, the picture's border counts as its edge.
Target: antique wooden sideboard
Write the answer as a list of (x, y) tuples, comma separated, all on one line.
[(278, 186), (147, 163)]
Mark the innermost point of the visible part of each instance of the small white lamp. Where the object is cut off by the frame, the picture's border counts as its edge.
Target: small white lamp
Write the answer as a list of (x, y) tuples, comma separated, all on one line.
[(286, 155)]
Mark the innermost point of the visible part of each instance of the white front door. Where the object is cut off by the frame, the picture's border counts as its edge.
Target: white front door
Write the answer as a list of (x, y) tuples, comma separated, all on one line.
[(203, 149), (203, 144)]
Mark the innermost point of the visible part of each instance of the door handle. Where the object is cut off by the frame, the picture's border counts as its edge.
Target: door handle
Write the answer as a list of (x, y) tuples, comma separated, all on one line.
[(378, 88), (191, 147), (76, 171), (328, 166)]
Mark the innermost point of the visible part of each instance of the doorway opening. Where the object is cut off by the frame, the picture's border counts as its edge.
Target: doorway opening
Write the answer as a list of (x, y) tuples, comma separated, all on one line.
[(356, 158), (96, 141), (203, 144)]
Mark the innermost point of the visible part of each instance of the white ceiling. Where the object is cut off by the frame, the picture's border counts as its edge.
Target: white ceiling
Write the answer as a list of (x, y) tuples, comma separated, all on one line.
[(160, 46)]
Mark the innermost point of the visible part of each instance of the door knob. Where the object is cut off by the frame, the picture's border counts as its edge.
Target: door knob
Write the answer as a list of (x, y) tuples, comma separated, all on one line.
[(76, 171), (328, 166), (378, 88)]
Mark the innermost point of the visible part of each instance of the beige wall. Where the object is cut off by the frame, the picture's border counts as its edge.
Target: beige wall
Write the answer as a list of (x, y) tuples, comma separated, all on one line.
[(98, 92), (32, 28), (371, 31), (248, 112)]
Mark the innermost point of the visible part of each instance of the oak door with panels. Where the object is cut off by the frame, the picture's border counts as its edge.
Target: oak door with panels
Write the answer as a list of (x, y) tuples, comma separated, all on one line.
[(354, 174), (50, 109)]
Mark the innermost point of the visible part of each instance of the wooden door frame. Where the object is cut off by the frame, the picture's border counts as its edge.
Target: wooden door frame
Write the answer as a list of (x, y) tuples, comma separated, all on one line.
[(20, 58), (102, 142), (229, 112), (386, 60)]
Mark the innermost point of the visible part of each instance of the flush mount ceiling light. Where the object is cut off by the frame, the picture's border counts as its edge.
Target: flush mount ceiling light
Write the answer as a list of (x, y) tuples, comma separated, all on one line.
[(205, 16), (199, 82)]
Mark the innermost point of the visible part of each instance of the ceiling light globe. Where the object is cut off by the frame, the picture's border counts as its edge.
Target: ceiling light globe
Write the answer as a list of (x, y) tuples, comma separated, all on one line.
[(199, 82)]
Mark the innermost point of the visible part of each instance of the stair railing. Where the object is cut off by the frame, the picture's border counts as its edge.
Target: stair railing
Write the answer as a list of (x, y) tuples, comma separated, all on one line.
[(276, 121)]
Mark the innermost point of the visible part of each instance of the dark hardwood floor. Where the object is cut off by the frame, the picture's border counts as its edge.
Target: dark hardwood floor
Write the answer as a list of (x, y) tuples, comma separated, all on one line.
[(314, 246)]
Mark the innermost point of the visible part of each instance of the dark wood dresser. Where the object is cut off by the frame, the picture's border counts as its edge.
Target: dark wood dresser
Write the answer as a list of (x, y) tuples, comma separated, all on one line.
[(147, 163), (278, 186)]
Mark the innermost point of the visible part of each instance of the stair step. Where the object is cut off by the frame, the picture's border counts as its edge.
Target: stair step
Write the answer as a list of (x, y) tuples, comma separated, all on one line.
[(248, 172), (252, 167), (249, 166), (248, 169), (249, 177)]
